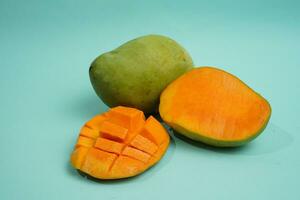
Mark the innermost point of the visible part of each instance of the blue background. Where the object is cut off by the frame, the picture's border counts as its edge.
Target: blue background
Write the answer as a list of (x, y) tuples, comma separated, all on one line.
[(45, 51)]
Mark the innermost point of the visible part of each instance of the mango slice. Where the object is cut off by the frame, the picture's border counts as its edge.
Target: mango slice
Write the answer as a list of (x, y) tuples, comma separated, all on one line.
[(119, 144), (212, 106)]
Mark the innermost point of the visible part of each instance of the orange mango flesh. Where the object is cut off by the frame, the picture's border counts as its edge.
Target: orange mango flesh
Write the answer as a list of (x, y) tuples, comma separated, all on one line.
[(119, 144), (210, 105)]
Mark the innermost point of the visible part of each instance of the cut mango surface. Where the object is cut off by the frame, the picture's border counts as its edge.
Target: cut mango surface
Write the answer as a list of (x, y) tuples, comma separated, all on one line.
[(212, 106), (119, 144)]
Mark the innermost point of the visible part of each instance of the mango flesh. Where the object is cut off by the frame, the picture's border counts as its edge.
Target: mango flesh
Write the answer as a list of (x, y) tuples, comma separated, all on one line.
[(119, 144), (212, 106), (135, 73)]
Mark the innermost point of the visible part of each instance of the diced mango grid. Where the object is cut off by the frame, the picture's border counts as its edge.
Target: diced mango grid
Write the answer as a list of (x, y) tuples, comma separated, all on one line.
[(139, 148)]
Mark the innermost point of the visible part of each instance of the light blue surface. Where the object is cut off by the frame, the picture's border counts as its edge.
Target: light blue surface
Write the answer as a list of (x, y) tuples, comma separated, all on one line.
[(46, 96)]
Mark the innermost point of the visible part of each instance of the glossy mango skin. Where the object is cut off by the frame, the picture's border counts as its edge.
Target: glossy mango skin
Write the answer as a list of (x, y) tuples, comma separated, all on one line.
[(135, 73), (119, 144)]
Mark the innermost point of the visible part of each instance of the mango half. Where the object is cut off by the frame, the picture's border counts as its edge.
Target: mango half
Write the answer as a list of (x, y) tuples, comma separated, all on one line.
[(119, 143), (212, 106), (135, 73)]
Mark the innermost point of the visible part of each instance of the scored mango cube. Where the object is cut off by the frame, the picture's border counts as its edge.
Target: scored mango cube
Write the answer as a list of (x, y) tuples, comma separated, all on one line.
[(119, 144)]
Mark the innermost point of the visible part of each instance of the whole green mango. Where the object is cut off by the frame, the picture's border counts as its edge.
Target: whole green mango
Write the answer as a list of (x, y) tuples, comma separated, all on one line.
[(136, 73)]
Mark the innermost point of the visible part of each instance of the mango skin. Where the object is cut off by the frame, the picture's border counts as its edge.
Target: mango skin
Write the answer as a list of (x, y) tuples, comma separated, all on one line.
[(137, 72)]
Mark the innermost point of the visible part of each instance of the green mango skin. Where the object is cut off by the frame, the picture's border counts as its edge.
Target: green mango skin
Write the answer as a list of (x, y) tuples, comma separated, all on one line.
[(136, 73)]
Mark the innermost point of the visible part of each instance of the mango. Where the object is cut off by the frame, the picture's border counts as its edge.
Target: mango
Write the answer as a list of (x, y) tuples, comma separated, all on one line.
[(215, 107), (119, 143), (138, 71)]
